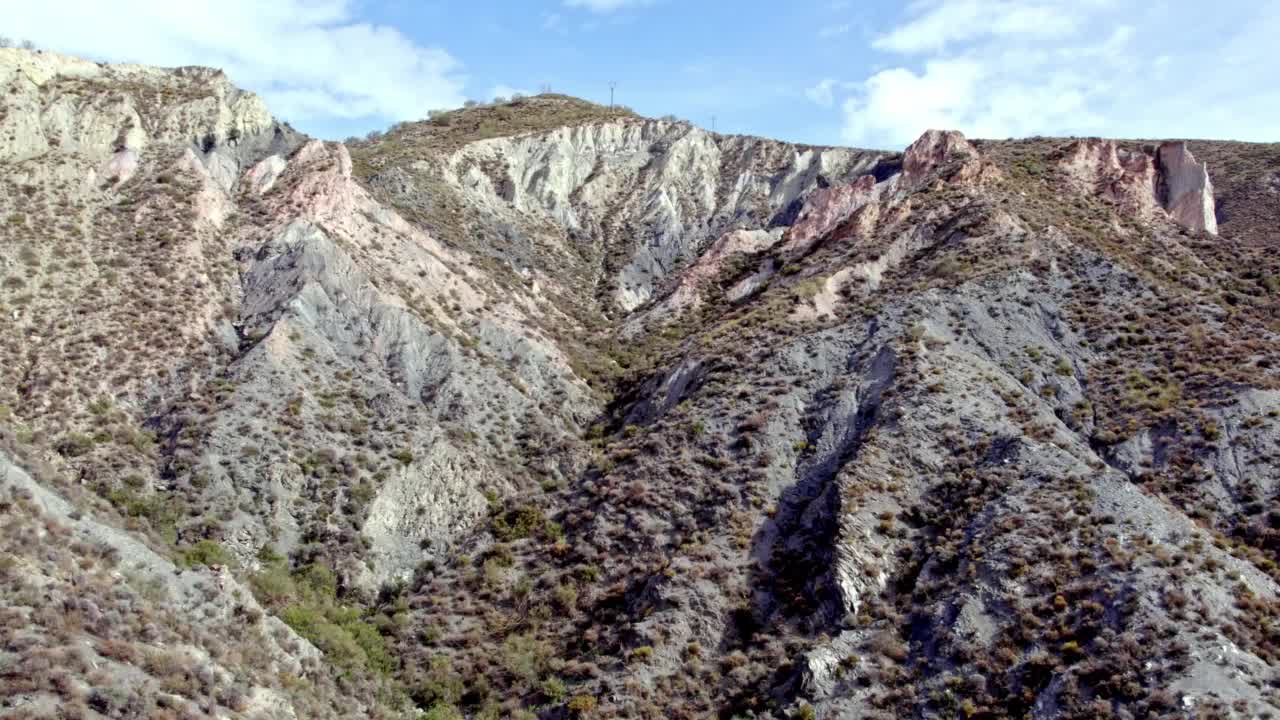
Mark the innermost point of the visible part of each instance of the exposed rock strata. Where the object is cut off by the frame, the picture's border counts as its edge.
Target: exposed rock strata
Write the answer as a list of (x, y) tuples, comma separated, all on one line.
[(1143, 182), (1187, 192), (616, 413)]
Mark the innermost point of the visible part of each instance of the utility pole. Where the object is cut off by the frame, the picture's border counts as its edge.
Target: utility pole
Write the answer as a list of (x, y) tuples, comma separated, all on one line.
[(612, 84)]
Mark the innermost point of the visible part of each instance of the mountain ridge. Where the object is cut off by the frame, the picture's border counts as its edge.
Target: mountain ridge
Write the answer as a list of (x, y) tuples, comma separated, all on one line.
[(622, 418)]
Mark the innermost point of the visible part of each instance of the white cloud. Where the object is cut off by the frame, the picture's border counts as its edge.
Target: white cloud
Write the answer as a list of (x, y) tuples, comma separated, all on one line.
[(943, 22), (606, 6), (310, 59), (821, 94), (1013, 94), (990, 68), (1007, 68)]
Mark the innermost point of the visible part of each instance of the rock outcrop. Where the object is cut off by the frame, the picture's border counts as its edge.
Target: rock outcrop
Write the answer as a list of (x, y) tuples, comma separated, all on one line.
[(933, 150), (543, 409), (63, 103), (1143, 182), (649, 195), (1127, 178), (826, 209), (1186, 191)]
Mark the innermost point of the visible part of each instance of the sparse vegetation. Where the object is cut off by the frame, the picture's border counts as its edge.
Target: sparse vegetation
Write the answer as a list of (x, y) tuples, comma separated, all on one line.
[(1017, 460)]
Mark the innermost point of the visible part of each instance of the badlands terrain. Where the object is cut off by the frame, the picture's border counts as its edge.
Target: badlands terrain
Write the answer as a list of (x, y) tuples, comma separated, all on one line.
[(543, 409)]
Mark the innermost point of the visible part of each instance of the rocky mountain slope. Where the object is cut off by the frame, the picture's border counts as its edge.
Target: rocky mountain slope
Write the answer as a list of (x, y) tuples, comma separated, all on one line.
[(545, 409)]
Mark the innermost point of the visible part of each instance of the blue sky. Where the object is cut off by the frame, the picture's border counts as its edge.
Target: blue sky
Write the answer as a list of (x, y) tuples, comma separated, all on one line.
[(860, 72)]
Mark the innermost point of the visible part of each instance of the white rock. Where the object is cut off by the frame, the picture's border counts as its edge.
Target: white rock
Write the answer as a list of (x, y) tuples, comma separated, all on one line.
[(262, 177), (1188, 190)]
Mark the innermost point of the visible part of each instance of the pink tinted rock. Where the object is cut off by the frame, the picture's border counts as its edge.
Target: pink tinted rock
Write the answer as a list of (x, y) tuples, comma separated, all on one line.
[(827, 208), (120, 167), (262, 177), (709, 265), (1188, 191), (1094, 166), (932, 150), (1172, 181)]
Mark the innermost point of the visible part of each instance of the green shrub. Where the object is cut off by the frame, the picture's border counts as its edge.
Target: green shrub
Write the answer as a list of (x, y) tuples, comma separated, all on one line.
[(318, 583), (443, 711), (582, 705), (160, 511), (308, 601), (1210, 431), (554, 689), (1064, 367), (339, 631), (642, 653), (372, 644), (439, 685), (273, 586), (566, 597), (518, 523), (205, 552), (337, 644), (74, 444), (525, 656)]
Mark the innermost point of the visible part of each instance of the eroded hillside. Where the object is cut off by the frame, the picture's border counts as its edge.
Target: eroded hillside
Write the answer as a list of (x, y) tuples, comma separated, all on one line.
[(545, 409)]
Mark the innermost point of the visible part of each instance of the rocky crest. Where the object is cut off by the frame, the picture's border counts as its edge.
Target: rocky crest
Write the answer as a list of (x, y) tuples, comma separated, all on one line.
[(1187, 192), (1144, 181), (544, 409), (641, 198)]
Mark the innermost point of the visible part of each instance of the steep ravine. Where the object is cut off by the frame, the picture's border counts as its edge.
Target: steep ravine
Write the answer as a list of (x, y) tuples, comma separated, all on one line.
[(544, 409)]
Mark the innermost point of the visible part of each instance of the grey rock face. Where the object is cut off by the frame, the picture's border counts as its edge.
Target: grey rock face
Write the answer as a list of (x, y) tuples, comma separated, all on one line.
[(54, 104), (146, 583), (618, 413), (320, 318), (652, 194)]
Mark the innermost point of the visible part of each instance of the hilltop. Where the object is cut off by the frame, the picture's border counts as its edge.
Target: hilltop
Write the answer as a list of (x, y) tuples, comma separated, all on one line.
[(544, 409)]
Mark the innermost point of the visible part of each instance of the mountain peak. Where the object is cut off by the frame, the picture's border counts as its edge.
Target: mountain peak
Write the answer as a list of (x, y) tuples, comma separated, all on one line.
[(542, 409), (515, 116)]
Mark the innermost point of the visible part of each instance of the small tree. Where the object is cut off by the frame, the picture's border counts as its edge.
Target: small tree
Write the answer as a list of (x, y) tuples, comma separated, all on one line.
[(6, 41)]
